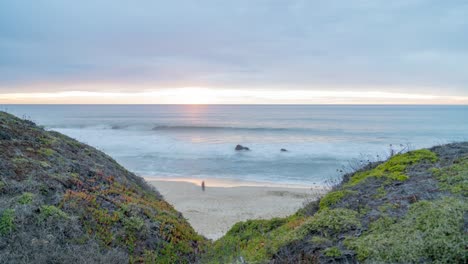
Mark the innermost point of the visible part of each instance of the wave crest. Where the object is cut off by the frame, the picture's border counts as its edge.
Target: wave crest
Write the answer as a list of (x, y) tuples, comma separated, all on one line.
[(212, 128)]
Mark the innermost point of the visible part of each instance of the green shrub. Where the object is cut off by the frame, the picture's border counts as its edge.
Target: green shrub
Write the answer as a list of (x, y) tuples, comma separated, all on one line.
[(51, 211), (330, 221), (26, 198), (333, 252), (44, 164), (380, 192), (429, 232), (388, 207), (47, 140), (319, 240), (7, 223), (19, 161), (133, 223), (334, 197), (46, 152), (394, 169), (255, 240), (454, 178), (250, 228)]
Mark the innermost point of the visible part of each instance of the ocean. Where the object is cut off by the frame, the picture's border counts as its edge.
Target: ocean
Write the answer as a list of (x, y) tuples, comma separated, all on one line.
[(198, 141)]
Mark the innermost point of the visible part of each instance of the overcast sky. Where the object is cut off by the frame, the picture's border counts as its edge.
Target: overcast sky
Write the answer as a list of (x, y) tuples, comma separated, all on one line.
[(100, 47)]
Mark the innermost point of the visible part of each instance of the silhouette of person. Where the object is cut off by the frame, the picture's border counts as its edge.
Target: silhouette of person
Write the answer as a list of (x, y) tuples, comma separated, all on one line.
[(203, 185)]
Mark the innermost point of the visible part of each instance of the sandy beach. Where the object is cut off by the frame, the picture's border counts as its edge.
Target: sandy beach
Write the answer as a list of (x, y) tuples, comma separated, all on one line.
[(223, 203)]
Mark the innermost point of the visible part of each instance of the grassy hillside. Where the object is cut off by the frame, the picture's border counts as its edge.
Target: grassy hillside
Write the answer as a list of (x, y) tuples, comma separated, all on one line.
[(63, 201), (410, 209)]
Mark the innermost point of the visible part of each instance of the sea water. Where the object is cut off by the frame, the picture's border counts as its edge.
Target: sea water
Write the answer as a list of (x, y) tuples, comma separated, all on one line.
[(198, 141)]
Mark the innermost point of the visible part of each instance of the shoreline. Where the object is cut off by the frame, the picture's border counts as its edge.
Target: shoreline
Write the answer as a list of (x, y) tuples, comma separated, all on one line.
[(214, 211), (229, 183)]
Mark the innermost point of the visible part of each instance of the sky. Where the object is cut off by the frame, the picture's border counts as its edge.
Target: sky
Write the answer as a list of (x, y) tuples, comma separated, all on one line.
[(243, 51)]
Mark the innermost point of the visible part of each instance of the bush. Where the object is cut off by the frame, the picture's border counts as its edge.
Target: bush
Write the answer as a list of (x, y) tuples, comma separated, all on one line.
[(394, 169), (330, 221), (429, 232), (46, 152), (333, 252), (332, 198), (454, 178), (26, 198), (7, 221), (133, 223), (318, 240), (254, 240), (51, 211)]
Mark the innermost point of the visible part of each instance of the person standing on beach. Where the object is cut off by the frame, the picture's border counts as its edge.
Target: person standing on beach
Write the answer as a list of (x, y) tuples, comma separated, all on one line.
[(203, 185)]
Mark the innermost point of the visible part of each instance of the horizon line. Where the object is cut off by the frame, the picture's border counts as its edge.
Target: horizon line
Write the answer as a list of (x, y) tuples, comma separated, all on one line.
[(242, 104)]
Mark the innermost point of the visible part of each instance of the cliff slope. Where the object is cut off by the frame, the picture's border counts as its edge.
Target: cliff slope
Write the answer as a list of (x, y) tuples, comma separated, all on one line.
[(63, 201), (412, 208)]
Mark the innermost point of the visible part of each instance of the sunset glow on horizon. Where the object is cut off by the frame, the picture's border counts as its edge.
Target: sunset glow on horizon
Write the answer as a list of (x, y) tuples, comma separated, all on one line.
[(197, 95)]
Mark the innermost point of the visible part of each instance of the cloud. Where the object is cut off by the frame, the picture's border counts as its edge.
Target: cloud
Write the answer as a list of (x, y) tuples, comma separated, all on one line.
[(52, 45)]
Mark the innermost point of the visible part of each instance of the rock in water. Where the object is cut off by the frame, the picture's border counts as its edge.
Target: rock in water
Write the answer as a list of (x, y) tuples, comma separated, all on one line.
[(240, 147), (284, 150)]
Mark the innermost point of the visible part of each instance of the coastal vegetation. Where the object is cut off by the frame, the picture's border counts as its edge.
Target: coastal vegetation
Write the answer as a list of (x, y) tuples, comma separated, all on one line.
[(408, 209), (63, 201)]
